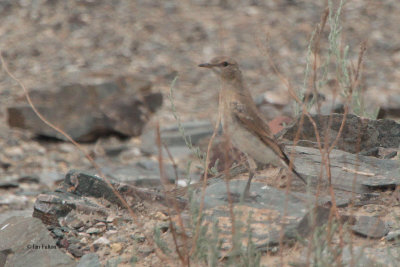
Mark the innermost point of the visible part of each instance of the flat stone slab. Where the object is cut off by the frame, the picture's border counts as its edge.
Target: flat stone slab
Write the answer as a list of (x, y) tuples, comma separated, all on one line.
[(267, 211), (372, 227), (27, 242), (367, 173)]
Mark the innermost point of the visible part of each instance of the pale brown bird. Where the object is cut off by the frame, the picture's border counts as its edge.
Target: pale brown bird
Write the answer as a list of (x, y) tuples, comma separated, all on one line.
[(242, 122)]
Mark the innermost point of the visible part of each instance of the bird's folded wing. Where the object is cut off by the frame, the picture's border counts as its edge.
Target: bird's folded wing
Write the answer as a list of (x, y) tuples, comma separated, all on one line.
[(248, 116), (251, 120)]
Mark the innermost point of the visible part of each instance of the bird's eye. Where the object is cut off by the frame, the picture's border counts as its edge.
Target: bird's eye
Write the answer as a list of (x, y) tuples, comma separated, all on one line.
[(224, 64)]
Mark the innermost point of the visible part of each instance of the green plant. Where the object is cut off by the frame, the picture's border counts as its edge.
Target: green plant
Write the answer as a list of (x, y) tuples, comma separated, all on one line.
[(336, 64), (160, 243)]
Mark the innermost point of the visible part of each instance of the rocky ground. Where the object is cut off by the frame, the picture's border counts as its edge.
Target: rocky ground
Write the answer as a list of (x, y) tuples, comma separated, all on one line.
[(102, 71)]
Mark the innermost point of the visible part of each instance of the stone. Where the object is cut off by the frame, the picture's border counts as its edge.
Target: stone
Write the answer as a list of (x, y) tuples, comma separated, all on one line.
[(145, 250), (31, 244), (7, 185), (116, 247), (318, 217), (53, 208), (138, 237), (391, 109), (393, 235), (84, 184), (90, 108), (101, 241), (75, 249), (95, 230), (371, 227), (365, 133), (58, 232), (29, 179), (367, 173), (91, 259), (265, 211)]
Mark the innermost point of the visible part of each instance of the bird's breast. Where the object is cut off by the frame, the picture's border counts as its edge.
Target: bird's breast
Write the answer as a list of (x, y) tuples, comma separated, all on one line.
[(247, 141)]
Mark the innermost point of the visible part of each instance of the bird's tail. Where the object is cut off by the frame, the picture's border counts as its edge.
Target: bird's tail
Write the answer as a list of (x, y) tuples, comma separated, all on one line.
[(293, 170), (298, 175)]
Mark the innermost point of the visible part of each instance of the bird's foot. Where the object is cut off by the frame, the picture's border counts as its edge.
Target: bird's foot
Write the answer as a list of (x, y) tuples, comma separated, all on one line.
[(247, 195)]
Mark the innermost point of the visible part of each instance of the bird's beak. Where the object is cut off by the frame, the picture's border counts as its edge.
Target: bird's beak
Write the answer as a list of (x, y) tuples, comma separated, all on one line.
[(206, 65)]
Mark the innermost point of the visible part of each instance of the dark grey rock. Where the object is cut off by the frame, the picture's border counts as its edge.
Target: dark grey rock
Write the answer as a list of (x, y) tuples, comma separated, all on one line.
[(267, 207), (75, 249), (371, 227), (31, 244), (393, 235), (92, 108), (145, 250), (366, 173), (317, 217), (73, 221), (29, 179), (7, 185), (4, 164), (89, 185), (58, 232), (52, 206), (11, 181), (3, 256), (94, 230), (77, 186), (367, 198), (113, 151), (138, 237), (391, 109), (359, 134), (89, 260), (342, 199)]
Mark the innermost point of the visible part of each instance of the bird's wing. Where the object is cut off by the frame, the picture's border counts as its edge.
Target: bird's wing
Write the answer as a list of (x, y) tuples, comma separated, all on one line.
[(248, 116)]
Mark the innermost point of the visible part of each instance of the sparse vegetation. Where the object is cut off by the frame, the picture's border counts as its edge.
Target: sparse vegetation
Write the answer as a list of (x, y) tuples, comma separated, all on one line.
[(200, 235)]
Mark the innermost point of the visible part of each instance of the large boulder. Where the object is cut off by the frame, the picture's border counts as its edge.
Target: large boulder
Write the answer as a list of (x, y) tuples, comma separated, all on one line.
[(90, 107)]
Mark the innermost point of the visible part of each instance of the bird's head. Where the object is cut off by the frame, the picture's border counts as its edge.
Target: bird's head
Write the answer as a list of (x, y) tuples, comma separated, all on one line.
[(226, 67)]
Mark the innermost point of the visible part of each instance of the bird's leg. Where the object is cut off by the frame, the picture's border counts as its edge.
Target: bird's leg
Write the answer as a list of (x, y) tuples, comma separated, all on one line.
[(246, 192), (251, 166), (280, 173)]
